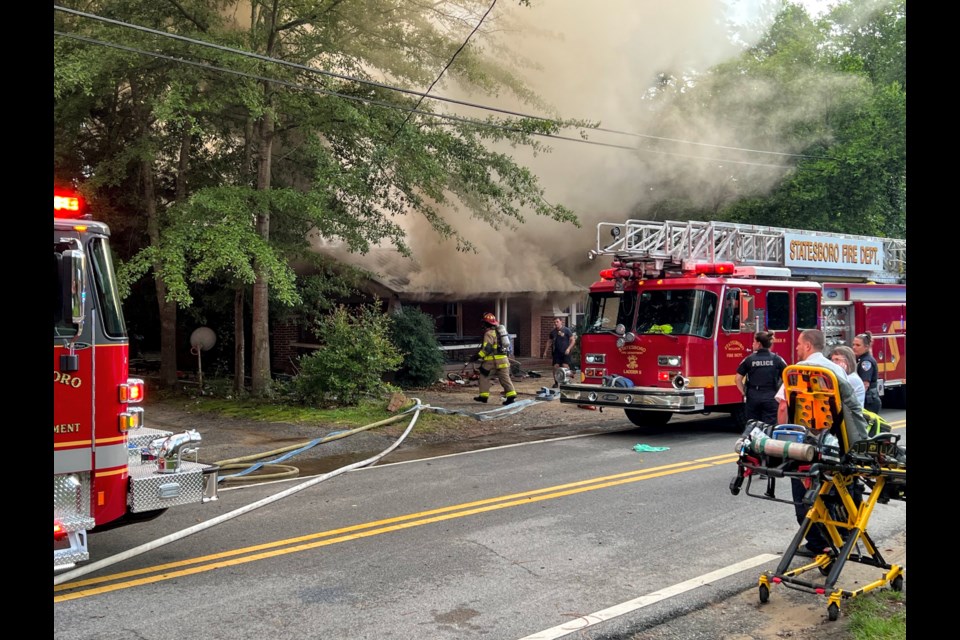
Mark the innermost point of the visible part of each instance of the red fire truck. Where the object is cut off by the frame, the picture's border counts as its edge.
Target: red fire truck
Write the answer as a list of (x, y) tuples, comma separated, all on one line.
[(667, 324), (108, 468)]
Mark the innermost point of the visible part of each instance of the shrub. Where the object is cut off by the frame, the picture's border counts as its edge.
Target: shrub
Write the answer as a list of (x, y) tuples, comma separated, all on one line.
[(412, 332), (356, 353)]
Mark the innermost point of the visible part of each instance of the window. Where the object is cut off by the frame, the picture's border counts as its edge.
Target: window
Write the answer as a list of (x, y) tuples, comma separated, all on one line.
[(606, 310), (677, 312), (578, 314), (807, 312), (731, 311), (778, 310), (105, 286)]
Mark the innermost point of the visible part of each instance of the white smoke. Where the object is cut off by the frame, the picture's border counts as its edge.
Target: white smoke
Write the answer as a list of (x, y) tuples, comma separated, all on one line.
[(594, 61)]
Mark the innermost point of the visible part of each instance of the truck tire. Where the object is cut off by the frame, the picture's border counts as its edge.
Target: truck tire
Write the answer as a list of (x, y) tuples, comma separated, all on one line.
[(651, 419)]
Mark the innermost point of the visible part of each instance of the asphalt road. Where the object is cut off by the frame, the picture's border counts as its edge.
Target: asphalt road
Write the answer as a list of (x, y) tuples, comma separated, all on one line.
[(504, 543)]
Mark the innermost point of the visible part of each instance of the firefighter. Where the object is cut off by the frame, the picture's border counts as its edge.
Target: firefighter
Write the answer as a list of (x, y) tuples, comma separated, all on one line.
[(759, 377), (493, 362)]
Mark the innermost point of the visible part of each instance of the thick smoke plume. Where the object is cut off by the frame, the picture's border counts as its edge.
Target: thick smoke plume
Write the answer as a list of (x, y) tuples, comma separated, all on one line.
[(597, 61)]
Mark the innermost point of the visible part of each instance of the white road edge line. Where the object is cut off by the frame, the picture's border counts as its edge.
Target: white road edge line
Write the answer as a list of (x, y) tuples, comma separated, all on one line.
[(446, 455), (591, 619)]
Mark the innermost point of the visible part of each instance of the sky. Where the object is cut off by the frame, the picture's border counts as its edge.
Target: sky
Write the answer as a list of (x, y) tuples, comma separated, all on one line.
[(594, 61)]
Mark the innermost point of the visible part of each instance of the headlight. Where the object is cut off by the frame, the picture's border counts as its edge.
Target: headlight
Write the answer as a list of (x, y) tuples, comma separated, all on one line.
[(669, 361), (595, 358)]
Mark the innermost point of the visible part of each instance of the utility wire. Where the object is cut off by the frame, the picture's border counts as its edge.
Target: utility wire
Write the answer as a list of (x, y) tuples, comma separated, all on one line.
[(440, 75), (421, 95), (440, 116)]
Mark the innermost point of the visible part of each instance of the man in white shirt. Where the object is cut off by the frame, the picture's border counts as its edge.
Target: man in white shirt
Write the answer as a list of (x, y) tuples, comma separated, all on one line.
[(810, 346)]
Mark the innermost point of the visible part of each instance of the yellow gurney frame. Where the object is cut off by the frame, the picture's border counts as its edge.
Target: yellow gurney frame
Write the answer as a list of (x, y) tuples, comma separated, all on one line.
[(813, 398)]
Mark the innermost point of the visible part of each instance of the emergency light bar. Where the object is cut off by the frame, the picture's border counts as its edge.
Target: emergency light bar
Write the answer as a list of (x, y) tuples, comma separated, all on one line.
[(615, 273), (67, 205), (709, 268)]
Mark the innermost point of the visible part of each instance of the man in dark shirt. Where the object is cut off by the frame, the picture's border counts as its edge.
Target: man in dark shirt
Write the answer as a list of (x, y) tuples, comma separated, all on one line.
[(562, 340), (759, 376)]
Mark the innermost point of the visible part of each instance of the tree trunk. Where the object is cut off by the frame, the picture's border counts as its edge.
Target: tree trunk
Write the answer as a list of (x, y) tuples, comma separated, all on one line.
[(239, 346), (260, 330), (168, 310)]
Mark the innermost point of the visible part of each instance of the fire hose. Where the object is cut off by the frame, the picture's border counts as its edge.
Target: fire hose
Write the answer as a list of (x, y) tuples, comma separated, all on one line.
[(149, 546), (293, 449), (283, 470)]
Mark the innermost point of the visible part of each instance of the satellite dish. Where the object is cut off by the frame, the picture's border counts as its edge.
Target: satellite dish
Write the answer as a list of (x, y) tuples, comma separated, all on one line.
[(203, 338)]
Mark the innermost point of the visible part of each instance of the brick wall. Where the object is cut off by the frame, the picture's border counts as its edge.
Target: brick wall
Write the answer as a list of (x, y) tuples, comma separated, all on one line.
[(546, 326), (281, 349)]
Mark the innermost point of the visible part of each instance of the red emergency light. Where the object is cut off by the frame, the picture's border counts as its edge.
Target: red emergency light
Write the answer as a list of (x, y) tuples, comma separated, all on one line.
[(614, 273), (59, 532), (67, 205), (713, 268), (132, 391)]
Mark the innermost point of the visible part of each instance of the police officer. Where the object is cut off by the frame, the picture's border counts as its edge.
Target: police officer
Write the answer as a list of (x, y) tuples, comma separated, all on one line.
[(867, 370), (759, 376), (493, 362)]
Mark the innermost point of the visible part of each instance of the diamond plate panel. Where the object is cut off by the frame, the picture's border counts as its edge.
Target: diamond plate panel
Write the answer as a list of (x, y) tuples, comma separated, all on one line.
[(150, 490), (71, 496)]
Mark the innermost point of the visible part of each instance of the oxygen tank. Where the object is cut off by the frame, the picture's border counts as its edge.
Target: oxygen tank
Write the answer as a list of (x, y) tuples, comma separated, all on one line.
[(503, 338)]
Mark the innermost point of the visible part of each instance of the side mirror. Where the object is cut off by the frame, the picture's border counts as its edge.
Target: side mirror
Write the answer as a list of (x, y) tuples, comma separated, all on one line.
[(73, 279)]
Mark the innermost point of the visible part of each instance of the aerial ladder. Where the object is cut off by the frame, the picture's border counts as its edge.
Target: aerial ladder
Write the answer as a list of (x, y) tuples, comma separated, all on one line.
[(655, 247)]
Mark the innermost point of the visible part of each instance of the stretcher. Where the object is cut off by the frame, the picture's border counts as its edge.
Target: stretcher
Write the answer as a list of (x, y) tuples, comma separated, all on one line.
[(844, 477)]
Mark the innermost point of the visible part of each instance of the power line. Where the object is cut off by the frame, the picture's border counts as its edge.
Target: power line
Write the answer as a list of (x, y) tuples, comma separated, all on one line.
[(442, 71), (441, 116), (421, 95)]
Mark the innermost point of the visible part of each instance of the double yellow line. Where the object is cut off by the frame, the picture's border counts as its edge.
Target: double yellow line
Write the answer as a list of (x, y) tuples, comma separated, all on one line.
[(158, 573), (147, 575)]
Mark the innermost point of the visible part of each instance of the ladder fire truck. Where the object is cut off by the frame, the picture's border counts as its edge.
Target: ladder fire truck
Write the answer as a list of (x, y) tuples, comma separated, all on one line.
[(108, 469), (667, 324)]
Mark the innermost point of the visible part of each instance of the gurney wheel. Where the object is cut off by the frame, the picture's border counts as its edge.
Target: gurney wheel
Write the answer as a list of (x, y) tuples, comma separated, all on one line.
[(764, 593), (897, 584), (735, 486), (833, 612)]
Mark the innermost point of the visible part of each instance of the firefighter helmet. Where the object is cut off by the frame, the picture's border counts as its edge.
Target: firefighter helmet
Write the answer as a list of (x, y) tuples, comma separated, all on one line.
[(490, 319)]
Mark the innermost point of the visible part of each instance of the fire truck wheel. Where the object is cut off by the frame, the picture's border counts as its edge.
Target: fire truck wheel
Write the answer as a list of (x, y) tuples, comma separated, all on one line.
[(648, 418)]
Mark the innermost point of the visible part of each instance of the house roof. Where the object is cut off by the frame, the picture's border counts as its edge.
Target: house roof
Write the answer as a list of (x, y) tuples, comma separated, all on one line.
[(465, 275)]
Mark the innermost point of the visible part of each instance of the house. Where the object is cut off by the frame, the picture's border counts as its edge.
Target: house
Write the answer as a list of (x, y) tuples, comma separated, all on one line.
[(456, 303)]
